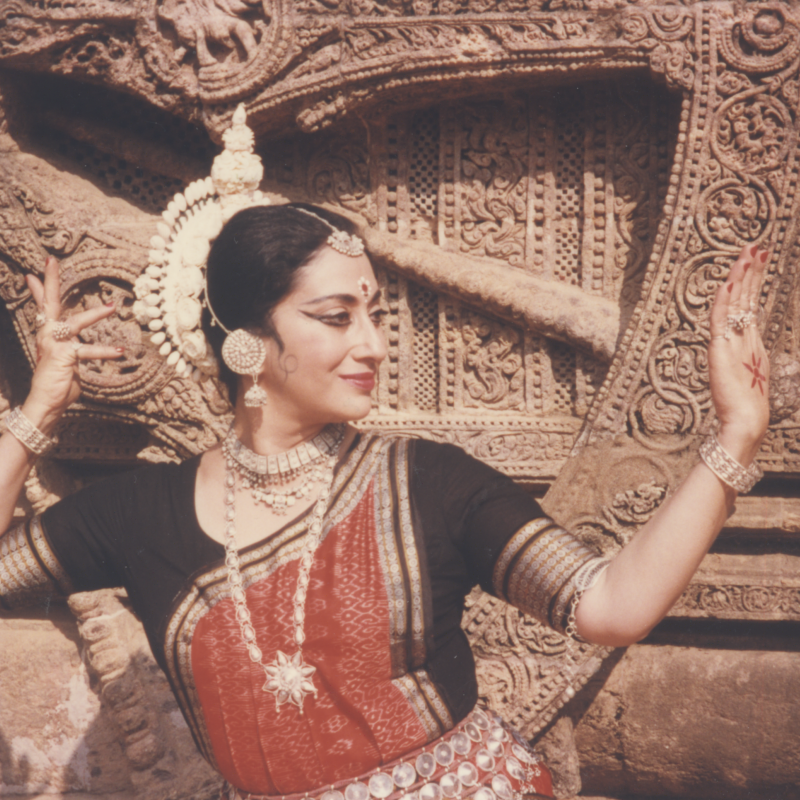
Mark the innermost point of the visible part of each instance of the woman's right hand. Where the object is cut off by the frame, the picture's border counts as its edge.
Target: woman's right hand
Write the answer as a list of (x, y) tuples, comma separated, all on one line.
[(56, 383)]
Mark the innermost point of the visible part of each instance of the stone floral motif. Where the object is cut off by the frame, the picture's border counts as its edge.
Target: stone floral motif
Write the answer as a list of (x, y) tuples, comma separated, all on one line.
[(735, 213), (493, 374), (753, 132), (493, 188), (739, 602), (340, 175)]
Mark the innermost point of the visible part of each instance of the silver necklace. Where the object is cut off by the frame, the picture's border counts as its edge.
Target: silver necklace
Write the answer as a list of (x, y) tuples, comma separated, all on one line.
[(265, 476), (289, 678)]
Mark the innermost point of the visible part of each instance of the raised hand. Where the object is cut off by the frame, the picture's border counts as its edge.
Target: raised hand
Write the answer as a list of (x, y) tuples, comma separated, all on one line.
[(56, 383), (737, 361)]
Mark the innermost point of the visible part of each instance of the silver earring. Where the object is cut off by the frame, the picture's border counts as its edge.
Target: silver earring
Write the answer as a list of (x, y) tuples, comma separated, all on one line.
[(244, 354)]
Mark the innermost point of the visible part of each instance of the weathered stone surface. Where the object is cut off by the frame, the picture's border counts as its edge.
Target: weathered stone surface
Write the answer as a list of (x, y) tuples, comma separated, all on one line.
[(54, 735), (695, 723)]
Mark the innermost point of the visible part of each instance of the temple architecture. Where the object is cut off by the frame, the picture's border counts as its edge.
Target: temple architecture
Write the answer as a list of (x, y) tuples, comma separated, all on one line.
[(552, 191)]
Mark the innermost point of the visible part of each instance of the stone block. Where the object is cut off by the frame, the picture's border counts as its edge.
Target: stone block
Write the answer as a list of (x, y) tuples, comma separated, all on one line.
[(690, 722), (54, 734)]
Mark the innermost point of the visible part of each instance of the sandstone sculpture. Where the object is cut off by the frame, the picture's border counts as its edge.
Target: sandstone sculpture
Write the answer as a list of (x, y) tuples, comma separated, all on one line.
[(552, 190)]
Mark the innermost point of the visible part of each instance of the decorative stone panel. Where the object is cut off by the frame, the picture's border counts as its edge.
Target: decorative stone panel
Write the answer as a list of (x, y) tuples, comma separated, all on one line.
[(551, 194)]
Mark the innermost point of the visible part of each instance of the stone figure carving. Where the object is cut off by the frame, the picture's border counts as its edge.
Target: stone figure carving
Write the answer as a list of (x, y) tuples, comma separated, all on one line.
[(548, 264)]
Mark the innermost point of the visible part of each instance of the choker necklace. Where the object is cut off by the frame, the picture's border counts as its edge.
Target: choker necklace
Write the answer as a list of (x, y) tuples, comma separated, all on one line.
[(265, 476), (289, 678)]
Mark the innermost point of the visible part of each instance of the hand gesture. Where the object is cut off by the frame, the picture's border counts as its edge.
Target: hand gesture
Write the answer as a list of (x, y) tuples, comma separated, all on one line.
[(56, 383), (737, 361)]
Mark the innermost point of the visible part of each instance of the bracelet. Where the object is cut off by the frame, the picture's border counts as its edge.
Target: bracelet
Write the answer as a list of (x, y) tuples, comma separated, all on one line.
[(22, 429), (727, 468), (584, 580)]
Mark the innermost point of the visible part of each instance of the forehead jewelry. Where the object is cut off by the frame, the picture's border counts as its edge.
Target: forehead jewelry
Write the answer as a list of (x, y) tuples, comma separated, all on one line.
[(346, 243), (172, 290), (364, 287)]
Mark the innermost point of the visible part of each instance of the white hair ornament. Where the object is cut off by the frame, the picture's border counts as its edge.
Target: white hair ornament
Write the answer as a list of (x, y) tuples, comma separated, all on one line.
[(171, 292)]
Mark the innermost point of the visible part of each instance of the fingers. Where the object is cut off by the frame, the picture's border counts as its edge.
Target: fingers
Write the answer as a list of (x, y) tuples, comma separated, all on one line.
[(85, 319), (52, 295), (36, 289), (88, 352), (720, 310), (739, 293), (738, 273), (754, 278), (47, 297)]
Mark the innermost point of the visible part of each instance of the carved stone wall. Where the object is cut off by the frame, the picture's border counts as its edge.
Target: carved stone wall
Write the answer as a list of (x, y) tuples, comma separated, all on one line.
[(552, 193)]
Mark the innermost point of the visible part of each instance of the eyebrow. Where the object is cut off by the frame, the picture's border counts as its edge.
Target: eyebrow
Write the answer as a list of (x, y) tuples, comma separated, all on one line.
[(349, 299)]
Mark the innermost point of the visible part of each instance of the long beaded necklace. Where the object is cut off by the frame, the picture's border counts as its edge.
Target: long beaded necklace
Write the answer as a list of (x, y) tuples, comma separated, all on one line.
[(289, 678)]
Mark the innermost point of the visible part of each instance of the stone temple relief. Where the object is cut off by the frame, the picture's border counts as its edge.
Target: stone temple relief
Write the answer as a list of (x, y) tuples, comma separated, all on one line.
[(552, 192)]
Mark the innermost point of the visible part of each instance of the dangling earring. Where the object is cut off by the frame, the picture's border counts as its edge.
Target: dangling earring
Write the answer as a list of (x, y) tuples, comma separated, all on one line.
[(244, 354)]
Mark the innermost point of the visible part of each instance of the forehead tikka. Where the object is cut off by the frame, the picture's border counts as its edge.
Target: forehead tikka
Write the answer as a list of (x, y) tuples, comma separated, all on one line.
[(347, 244)]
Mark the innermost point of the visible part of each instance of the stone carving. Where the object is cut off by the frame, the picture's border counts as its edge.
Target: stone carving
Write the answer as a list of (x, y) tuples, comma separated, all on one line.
[(509, 647), (494, 193), (493, 373), (733, 602), (197, 23), (784, 387), (157, 745), (548, 255), (629, 510)]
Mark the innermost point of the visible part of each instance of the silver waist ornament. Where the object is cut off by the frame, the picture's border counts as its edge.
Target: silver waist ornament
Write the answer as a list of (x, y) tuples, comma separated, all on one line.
[(480, 758)]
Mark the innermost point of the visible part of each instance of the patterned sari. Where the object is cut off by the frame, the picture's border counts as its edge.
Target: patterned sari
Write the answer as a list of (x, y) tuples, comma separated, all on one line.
[(411, 527)]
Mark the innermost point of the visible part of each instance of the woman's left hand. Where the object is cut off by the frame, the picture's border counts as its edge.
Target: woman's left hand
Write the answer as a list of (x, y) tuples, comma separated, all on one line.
[(737, 361)]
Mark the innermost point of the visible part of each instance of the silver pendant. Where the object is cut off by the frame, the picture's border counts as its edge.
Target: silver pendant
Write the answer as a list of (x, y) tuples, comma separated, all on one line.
[(289, 679)]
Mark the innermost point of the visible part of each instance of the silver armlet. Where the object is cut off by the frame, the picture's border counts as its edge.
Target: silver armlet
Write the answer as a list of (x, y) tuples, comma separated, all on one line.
[(727, 468)]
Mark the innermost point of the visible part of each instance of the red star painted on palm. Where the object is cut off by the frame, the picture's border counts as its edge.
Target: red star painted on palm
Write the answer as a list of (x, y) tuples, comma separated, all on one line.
[(758, 378)]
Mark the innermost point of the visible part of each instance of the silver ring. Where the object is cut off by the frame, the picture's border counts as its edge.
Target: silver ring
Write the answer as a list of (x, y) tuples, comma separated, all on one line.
[(76, 345), (62, 332), (40, 319)]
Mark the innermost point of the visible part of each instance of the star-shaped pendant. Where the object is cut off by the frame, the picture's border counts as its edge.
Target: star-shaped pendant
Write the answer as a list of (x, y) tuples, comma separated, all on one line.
[(289, 679)]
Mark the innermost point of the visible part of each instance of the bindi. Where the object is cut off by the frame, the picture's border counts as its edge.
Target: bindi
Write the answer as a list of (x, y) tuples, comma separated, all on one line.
[(363, 287), (758, 377)]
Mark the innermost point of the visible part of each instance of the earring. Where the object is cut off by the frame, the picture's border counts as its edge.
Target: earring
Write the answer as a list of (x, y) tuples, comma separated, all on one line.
[(244, 354)]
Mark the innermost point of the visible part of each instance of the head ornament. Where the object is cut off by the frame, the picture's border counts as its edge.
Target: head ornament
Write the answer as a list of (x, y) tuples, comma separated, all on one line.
[(171, 292)]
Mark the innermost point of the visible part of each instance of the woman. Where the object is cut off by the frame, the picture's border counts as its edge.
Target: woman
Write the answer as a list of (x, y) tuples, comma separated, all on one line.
[(302, 584)]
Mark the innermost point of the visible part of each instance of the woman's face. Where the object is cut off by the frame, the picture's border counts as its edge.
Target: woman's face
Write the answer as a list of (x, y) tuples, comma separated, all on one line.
[(333, 342)]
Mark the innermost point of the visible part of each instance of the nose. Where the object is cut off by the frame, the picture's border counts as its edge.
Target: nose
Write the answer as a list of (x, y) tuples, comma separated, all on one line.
[(371, 345)]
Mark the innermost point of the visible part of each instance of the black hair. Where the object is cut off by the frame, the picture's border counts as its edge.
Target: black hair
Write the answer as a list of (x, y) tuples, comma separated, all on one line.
[(253, 265)]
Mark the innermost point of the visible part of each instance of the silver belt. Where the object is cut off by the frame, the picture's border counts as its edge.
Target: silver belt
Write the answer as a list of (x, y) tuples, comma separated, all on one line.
[(480, 758)]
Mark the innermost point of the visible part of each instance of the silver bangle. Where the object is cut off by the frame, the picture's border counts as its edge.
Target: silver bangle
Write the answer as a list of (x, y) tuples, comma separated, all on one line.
[(586, 578), (22, 429), (727, 468)]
